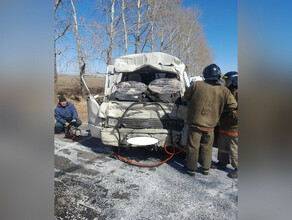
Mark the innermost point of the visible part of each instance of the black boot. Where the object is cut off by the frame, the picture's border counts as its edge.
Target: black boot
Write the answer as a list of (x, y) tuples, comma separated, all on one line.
[(219, 166), (205, 171), (233, 174), (188, 171), (191, 172)]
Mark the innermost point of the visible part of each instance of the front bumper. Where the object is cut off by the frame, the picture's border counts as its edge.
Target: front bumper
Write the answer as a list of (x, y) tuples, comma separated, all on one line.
[(110, 136)]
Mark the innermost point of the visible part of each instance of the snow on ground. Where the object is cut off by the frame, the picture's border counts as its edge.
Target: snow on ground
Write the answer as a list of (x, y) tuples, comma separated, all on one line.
[(92, 184)]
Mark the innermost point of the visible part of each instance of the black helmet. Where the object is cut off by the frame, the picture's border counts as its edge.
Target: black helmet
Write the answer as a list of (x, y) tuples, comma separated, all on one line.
[(232, 76), (212, 72)]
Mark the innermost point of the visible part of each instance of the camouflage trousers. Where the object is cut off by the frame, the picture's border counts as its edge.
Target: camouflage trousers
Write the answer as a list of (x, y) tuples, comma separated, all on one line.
[(199, 148), (228, 149)]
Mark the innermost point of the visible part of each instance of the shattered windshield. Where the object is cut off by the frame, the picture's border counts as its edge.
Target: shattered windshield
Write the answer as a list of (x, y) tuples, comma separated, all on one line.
[(165, 86), (159, 86), (146, 77), (131, 87), (149, 86)]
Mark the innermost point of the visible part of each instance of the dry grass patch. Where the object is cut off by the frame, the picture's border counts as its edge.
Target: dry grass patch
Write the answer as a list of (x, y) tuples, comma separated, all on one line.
[(69, 87), (81, 108)]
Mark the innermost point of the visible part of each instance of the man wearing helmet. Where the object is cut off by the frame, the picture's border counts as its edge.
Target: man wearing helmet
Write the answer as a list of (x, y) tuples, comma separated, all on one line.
[(207, 100), (228, 131)]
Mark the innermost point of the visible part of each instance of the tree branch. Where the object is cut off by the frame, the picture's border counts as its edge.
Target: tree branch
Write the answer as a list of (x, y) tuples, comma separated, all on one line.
[(57, 3), (64, 31), (64, 9)]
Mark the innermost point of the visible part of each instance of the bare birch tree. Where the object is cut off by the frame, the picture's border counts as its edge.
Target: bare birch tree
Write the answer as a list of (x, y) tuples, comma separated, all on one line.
[(160, 14), (72, 13), (153, 12), (187, 40), (138, 25), (109, 23), (125, 28), (135, 26), (152, 20), (84, 38), (76, 33), (60, 31), (139, 21)]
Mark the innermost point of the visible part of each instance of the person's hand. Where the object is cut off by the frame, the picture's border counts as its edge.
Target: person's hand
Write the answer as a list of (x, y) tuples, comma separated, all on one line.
[(66, 124), (73, 121)]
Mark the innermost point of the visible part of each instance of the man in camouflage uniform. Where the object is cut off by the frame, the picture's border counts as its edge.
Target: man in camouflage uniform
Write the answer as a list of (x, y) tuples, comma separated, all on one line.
[(207, 100), (228, 131)]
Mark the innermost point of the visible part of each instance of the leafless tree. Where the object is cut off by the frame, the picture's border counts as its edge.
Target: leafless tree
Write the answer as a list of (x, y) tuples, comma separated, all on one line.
[(70, 8), (153, 11), (60, 29), (187, 40), (125, 28), (76, 33), (134, 26), (140, 31), (84, 40), (110, 23)]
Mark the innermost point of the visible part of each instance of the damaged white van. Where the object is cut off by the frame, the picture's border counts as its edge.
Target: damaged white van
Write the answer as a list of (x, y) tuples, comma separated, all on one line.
[(143, 101)]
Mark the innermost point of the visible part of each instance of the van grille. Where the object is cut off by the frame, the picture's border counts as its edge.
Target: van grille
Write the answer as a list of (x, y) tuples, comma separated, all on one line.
[(140, 123)]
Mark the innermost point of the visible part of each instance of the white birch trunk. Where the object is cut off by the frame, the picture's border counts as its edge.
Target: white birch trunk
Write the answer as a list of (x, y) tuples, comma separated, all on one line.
[(76, 33), (125, 27), (137, 44)]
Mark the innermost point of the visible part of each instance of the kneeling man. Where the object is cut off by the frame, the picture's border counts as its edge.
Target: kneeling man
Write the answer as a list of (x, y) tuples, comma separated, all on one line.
[(65, 113)]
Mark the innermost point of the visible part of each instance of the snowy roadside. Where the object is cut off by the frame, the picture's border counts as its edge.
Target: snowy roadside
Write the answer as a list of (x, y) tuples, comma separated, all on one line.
[(91, 184)]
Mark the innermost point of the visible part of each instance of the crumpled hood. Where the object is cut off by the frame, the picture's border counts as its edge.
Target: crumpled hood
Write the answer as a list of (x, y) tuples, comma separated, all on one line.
[(157, 60)]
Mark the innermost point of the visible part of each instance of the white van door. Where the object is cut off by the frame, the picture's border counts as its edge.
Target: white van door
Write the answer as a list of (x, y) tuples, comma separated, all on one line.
[(93, 111), (94, 122), (109, 77)]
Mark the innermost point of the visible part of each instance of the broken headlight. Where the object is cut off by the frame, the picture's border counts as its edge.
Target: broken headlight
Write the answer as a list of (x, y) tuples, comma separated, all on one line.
[(112, 122)]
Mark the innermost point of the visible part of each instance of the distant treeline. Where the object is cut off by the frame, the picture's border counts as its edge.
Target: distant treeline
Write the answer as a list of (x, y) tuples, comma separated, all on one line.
[(108, 29)]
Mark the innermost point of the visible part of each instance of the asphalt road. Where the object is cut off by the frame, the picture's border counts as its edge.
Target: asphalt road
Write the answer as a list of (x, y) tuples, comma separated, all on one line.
[(90, 183)]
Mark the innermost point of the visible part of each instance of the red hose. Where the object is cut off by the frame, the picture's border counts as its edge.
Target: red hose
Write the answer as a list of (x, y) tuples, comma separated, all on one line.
[(133, 162)]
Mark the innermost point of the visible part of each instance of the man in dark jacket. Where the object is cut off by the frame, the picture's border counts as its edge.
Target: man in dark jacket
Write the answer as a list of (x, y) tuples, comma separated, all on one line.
[(65, 113), (228, 131), (207, 100)]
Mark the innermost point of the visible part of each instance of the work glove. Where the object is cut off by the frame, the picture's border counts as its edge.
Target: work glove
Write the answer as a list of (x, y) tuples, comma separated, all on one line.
[(73, 121), (66, 124)]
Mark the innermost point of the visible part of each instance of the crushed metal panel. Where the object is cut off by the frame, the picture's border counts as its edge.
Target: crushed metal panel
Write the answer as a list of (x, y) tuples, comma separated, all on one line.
[(145, 105), (109, 136), (157, 60), (95, 131)]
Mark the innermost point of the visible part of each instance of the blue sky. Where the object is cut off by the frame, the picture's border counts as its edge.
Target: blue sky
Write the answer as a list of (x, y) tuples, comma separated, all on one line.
[(219, 20)]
